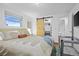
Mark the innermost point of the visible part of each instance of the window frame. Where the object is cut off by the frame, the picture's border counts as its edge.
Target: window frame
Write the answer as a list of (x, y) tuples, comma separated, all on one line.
[(20, 21)]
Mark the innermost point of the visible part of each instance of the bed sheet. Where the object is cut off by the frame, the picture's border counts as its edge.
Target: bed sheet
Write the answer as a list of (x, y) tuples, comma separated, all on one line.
[(32, 46)]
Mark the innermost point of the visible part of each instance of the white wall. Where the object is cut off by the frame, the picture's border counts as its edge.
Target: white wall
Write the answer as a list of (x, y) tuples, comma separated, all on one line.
[(34, 28), (55, 28), (19, 14), (2, 21), (76, 29), (61, 27), (2, 14), (65, 26), (25, 15)]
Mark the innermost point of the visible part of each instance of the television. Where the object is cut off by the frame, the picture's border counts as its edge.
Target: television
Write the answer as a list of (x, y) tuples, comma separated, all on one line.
[(76, 19)]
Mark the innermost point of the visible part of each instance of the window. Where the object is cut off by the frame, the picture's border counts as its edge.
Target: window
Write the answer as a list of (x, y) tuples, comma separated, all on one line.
[(13, 21)]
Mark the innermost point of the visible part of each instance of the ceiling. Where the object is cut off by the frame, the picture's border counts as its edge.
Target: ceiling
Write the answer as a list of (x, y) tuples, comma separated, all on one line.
[(42, 9)]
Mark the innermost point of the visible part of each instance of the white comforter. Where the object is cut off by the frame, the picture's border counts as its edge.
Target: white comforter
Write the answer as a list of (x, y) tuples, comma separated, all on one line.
[(33, 46)]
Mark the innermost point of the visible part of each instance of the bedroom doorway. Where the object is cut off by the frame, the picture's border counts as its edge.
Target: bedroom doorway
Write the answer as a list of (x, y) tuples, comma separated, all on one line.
[(62, 27)]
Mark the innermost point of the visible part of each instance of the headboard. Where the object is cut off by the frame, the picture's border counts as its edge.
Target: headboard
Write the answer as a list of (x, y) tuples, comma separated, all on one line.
[(21, 30)]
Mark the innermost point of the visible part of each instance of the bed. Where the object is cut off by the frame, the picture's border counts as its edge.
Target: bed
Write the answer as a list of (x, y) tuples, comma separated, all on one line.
[(27, 46)]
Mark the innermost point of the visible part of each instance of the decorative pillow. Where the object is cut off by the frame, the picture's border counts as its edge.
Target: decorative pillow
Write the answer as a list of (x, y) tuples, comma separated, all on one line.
[(22, 35)]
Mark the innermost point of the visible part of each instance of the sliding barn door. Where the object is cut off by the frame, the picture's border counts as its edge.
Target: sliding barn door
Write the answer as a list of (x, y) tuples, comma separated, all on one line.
[(40, 27)]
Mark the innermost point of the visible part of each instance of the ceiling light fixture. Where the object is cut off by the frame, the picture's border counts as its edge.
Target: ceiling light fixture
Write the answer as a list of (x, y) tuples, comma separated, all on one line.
[(37, 4)]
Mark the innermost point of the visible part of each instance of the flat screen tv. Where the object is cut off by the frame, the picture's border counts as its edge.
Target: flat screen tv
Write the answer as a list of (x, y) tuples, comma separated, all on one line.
[(76, 19)]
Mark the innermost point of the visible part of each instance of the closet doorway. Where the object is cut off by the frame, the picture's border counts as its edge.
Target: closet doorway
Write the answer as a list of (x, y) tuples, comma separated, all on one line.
[(40, 26)]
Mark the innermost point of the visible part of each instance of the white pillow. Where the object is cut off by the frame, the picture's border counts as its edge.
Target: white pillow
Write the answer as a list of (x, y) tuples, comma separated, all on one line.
[(2, 35), (11, 35), (14, 34), (1, 38)]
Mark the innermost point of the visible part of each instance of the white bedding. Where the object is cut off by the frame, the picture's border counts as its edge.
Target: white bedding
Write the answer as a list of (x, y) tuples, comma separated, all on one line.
[(33, 46)]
